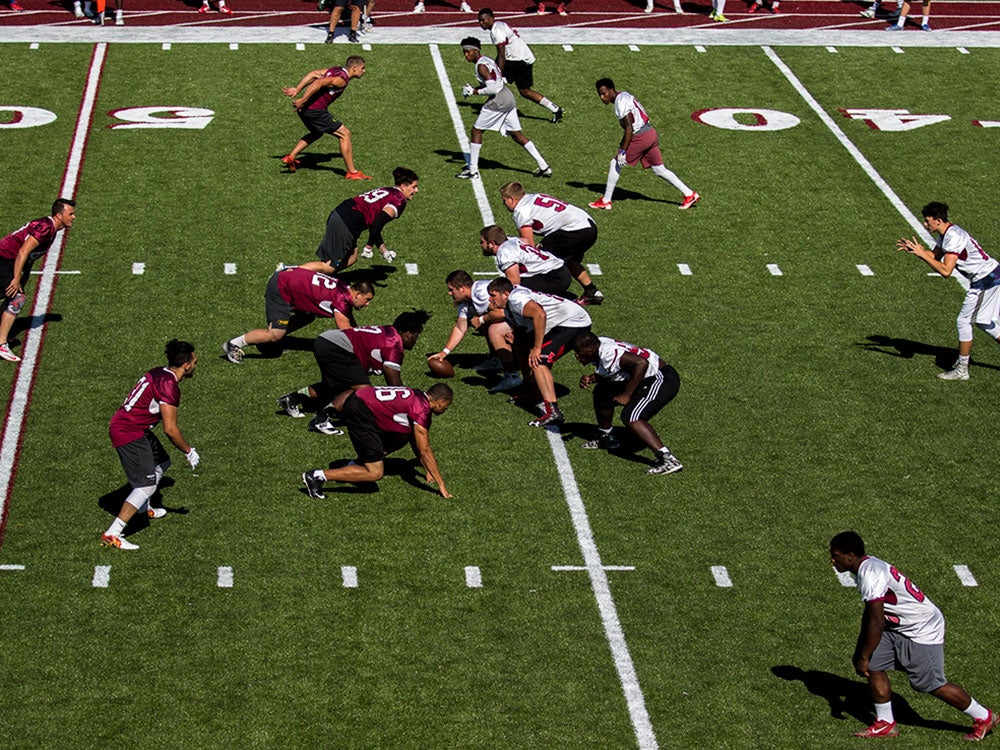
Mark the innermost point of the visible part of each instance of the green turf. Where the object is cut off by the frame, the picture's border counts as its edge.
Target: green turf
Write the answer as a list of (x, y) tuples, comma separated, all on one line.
[(797, 416)]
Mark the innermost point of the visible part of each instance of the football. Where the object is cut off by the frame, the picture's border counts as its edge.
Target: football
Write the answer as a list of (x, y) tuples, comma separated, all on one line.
[(441, 368)]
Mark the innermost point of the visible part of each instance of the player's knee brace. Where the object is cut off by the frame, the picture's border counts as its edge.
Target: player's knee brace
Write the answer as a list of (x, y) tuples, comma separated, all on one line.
[(16, 303), (139, 496)]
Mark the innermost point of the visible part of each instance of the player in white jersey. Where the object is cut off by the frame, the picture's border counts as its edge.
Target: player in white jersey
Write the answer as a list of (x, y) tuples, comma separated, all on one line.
[(543, 327), (567, 231), (640, 144), (516, 61), (473, 302), (634, 378), (956, 250), (499, 113), (900, 629), (524, 264)]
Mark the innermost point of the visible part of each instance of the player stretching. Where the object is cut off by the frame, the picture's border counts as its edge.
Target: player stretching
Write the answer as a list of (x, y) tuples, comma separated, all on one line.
[(640, 144)]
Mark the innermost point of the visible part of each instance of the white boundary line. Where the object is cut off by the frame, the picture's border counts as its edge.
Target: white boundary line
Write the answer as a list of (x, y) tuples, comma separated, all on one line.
[(14, 424)]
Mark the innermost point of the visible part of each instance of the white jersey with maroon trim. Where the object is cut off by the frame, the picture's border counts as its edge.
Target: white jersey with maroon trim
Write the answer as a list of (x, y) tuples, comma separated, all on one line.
[(558, 311), (908, 611), (479, 302), (609, 355), (545, 215), (530, 260), (626, 103), (973, 262), (504, 36)]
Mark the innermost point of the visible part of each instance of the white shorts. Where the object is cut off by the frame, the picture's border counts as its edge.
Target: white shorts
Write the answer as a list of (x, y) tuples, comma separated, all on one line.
[(502, 122), (982, 307)]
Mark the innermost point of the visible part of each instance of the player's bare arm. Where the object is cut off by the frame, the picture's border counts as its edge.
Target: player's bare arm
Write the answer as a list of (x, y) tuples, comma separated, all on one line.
[(170, 428), (306, 80), (422, 447), (342, 321), (454, 339), (872, 625), (943, 264), (316, 85), (637, 368), (626, 123), (513, 274), (393, 376), (527, 234), (536, 313)]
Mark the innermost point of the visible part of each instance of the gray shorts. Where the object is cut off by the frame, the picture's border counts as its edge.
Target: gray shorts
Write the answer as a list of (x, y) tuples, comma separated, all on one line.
[(140, 459), (923, 664)]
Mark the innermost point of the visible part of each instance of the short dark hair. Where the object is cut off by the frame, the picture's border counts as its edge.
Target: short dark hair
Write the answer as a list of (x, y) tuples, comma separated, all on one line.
[(353, 61), (441, 391), (849, 542), (412, 321), (500, 284), (485, 12), (584, 340), (605, 82), (60, 204), (178, 352), (471, 41), (404, 176), (365, 287), (935, 210), (459, 278), (493, 233)]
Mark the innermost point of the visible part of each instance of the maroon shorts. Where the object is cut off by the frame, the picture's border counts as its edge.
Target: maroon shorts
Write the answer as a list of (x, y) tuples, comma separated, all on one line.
[(644, 149)]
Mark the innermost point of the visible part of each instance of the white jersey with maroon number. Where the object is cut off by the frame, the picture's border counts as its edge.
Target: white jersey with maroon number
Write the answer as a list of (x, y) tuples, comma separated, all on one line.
[(907, 609), (609, 355), (479, 304), (626, 103), (529, 259), (973, 262), (545, 215), (504, 36), (558, 311)]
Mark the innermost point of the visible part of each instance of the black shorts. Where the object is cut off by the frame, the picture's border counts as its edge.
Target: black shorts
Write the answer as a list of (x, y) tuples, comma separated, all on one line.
[(277, 309), (519, 73), (554, 282), (370, 443), (570, 245), (319, 121), (339, 369), (140, 459), (554, 344), (653, 394), (346, 3), (339, 240), (7, 276)]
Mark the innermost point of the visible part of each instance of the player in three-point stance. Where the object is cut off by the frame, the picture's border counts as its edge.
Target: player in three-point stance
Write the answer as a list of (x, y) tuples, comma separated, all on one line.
[(900, 629), (155, 398), (524, 264), (640, 144), (956, 250)]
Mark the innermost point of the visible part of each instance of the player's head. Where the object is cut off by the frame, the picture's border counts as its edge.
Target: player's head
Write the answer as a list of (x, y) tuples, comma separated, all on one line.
[(499, 290), (410, 325), (355, 66), (180, 356), (459, 285), (935, 210), (406, 180), (361, 294), (471, 47), (439, 397), (511, 194), (586, 345), (485, 17), (846, 551), (64, 210), (491, 237), (606, 90)]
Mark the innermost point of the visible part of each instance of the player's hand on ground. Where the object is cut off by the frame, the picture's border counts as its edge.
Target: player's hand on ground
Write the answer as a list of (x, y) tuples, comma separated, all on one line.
[(468, 90), (388, 255), (587, 380), (193, 458), (289, 91)]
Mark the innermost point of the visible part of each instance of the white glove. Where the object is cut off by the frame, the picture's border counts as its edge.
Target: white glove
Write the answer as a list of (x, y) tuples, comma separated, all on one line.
[(367, 252), (389, 255), (193, 458), (622, 161), (468, 90)]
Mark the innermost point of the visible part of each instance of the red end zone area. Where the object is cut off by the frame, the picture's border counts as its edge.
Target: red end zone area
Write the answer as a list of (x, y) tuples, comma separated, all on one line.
[(793, 15)]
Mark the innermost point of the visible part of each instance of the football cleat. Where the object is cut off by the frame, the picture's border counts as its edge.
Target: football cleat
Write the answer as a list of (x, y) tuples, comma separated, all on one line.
[(467, 174), (7, 354), (155, 512), (982, 727), (357, 174), (869, 13), (108, 540), (958, 372), (291, 163), (508, 382), (879, 729), (314, 486), (541, 9), (558, 115), (561, 9), (601, 204), (203, 8), (894, 27), (325, 426), (719, 17), (649, 7), (225, 10), (465, 7), (774, 8), (925, 27), (77, 9), (419, 7), (547, 172), (329, 38), (551, 416), (119, 20), (689, 200), (323, 5), (493, 364), (292, 404), (753, 8), (591, 299), (233, 353), (666, 463), (605, 441), (353, 38)]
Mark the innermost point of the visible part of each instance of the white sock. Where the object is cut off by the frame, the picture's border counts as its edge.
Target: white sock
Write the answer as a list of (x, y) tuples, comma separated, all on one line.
[(613, 174), (902, 21), (926, 20), (720, 6), (116, 528), (666, 174), (964, 360), (239, 341), (883, 712), (550, 106), (976, 711), (474, 149), (530, 148)]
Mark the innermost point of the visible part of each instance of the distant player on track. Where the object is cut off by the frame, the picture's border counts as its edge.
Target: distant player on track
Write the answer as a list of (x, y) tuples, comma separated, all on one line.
[(904, 11), (956, 250), (18, 252), (499, 113), (640, 144), (356, 6), (322, 88), (900, 629), (635, 379), (155, 398), (516, 61), (567, 231), (294, 298), (372, 211), (380, 421), (223, 8)]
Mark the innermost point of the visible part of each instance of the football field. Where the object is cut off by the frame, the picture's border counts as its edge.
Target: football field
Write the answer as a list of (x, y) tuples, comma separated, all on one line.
[(563, 598)]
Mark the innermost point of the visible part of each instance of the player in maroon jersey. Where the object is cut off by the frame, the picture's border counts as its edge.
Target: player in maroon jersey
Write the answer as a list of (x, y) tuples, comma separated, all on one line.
[(380, 421), (294, 298), (372, 211), (322, 88), (18, 252), (153, 399)]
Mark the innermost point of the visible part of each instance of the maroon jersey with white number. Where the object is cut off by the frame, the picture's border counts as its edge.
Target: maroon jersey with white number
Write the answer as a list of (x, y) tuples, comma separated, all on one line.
[(327, 96), (43, 230), (377, 347), (397, 409), (141, 410), (314, 292), (372, 203), (545, 215), (530, 260)]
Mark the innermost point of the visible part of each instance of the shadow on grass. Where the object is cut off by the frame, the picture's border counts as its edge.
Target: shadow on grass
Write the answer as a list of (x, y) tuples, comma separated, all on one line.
[(944, 356), (317, 160), (458, 158), (620, 195), (404, 468), (850, 698), (111, 503)]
